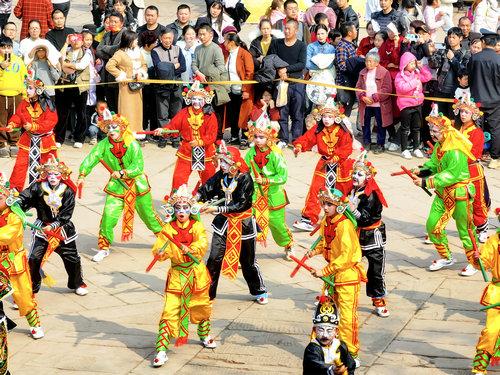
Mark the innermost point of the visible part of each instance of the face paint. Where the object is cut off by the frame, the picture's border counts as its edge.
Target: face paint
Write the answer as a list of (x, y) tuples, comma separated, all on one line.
[(328, 120), (54, 178), (436, 134), (325, 333), (31, 91), (182, 212), (197, 102), (224, 165), (114, 131), (465, 116), (260, 140), (359, 178)]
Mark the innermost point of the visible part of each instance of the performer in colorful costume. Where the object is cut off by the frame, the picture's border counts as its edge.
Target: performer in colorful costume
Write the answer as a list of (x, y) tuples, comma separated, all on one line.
[(340, 248), (469, 113), (270, 174), (197, 125), (13, 257), (38, 117), (5, 323), (447, 172), (488, 345), (186, 291), (366, 202), (326, 354), (53, 197), (234, 225), (335, 144), (128, 188)]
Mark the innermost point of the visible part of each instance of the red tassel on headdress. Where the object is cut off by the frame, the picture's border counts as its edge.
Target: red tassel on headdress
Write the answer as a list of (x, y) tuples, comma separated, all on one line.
[(181, 341), (70, 184), (371, 186)]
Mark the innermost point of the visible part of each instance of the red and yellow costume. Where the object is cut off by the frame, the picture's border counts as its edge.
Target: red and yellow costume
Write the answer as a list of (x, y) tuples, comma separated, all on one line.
[(194, 124), (475, 135), (340, 248), (333, 170), (37, 144), (488, 343)]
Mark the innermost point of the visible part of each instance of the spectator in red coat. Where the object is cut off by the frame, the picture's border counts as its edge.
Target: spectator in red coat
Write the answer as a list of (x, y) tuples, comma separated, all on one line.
[(368, 42), (40, 10), (390, 51)]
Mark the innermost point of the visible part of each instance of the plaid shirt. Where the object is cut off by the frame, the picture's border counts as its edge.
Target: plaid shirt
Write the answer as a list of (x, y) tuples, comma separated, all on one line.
[(28, 10), (345, 50)]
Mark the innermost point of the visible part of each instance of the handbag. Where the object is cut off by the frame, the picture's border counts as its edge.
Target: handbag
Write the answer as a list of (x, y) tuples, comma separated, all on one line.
[(135, 86), (282, 97)]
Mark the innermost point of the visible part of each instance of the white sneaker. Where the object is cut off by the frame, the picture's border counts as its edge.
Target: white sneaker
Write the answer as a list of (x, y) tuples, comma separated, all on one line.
[(281, 144), (58, 145), (427, 240), (14, 306), (77, 145), (418, 153), (37, 332), (262, 299), (101, 254), (392, 147), (406, 154), (382, 311), (93, 141), (440, 263), (357, 361), (289, 251), (209, 343), (483, 236), (82, 290), (469, 270), (160, 359), (304, 225)]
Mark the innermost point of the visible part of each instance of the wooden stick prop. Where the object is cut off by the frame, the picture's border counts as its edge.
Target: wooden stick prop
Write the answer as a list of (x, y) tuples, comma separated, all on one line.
[(49, 232), (257, 175), (110, 170), (157, 256), (301, 263), (413, 177), (303, 260), (484, 308), (152, 132), (400, 173), (476, 254), (179, 245), (8, 130)]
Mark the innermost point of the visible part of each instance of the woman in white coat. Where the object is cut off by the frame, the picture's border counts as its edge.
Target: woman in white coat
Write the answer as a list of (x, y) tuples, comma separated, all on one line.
[(486, 13)]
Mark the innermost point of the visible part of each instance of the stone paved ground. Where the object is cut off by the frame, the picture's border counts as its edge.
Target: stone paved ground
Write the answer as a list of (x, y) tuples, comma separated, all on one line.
[(434, 321)]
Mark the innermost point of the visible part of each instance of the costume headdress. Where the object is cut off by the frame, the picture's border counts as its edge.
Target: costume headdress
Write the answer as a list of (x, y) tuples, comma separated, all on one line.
[(231, 155), (330, 107), (262, 124), (31, 81), (11, 198), (54, 165), (453, 139), (326, 312), (109, 118), (466, 102), (73, 38), (336, 197), (181, 196), (197, 89), (371, 185)]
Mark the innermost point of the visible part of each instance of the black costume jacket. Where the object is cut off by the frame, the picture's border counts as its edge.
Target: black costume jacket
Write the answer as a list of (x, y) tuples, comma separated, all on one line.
[(314, 360)]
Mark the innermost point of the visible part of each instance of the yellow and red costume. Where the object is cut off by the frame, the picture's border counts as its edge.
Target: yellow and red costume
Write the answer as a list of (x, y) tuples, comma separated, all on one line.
[(340, 248), (488, 343), (475, 135), (333, 170), (37, 144)]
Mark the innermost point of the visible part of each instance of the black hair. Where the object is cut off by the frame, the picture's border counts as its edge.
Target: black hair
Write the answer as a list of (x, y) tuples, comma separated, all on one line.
[(334, 34), (235, 38), (34, 20), (166, 30), (322, 27), (218, 21), (206, 27), (152, 7), (430, 2), (264, 20), (289, 2), (10, 23), (128, 38), (320, 17), (186, 28), (5, 41), (455, 31), (490, 40), (124, 2), (463, 18), (184, 6), (462, 73), (383, 34), (117, 15), (346, 27), (147, 38), (406, 4), (56, 11)]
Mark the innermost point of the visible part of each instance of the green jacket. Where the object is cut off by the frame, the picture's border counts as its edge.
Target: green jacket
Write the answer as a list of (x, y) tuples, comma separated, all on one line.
[(447, 169), (132, 162), (276, 172)]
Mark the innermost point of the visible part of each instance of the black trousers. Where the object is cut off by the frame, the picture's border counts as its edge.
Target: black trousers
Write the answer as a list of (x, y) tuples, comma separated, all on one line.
[(374, 250), (64, 100), (233, 114), (69, 256), (111, 95), (411, 122), (149, 118), (492, 125), (249, 266)]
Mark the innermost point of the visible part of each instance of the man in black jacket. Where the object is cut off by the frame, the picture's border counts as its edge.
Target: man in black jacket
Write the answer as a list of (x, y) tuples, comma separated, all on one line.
[(53, 197), (326, 354), (484, 80), (387, 15), (234, 224), (345, 13)]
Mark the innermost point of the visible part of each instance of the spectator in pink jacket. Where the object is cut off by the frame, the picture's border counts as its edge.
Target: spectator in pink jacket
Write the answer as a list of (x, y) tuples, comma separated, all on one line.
[(320, 6), (412, 74), (375, 101)]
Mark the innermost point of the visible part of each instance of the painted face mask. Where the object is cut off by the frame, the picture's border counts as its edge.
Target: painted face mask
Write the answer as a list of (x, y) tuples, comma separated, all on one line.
[(465, 115), (325, 333), (182, 211), (197, 102), (114, 131), (31, 91), (328, 120), (260, 140), (359, 178), (224, 165), (54, 178), (436, 134)]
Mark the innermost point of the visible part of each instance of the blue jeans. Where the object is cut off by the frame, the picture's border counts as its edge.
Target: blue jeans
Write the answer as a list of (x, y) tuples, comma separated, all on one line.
[(295, 109), (367, 131)]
